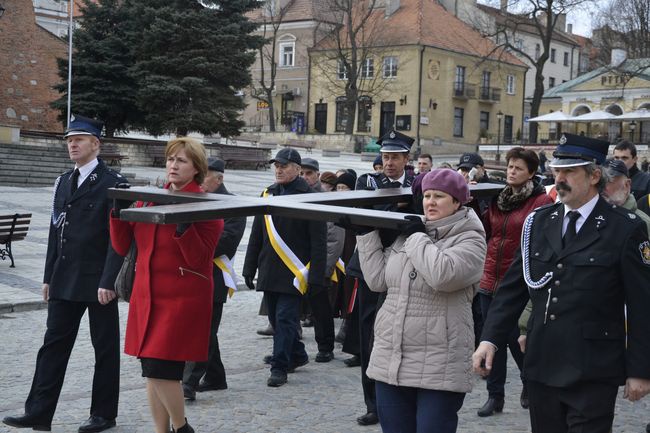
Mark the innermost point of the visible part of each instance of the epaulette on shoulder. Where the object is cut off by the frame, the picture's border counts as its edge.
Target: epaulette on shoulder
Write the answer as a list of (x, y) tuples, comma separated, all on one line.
[(625, 213), (547, 206)]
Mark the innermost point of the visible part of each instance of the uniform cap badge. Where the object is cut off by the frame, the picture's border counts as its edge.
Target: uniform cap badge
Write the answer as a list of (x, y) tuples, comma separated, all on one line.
[(392, 134), (563, 139), (644, 249)]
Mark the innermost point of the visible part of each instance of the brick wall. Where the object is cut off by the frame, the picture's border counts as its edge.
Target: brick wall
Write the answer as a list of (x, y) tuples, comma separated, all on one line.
[(28, 69)]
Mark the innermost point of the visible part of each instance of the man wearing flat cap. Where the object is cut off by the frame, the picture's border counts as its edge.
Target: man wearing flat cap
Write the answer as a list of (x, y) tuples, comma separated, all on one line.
[(395, 149), (80, 271), (585, 265), (619, 187), (211, 375), (310, 171), (290, 255)]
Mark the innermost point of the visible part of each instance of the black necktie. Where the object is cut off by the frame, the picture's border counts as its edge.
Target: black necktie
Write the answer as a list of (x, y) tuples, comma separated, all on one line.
[(570, 233), (74, 180)]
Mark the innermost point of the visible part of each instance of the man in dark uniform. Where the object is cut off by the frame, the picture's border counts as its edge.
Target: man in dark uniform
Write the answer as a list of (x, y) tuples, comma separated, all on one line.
[(583, 264), (212, 371), (282, 249), (395, 148), (80, 271)]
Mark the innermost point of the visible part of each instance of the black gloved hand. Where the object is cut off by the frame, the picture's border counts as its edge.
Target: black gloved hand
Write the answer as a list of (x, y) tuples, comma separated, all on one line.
[(181, 228), (357, 229), (120, 204), (249, 282), (412, 224)]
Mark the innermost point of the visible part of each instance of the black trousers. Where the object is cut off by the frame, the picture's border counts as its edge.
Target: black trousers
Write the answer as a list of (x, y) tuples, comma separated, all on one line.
[(213, 369), (63, 318), (352, 341), (586, 407), (367, 301), (321, 310)]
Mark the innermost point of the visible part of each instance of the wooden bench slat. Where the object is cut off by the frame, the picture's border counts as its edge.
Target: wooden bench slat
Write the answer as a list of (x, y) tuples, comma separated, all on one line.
[(11, 217), (5, 239), (18, 223)]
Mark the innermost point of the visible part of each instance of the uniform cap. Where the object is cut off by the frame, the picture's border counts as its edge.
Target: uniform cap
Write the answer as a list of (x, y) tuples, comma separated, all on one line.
[(80, 125), (576, 150), (394, 141)]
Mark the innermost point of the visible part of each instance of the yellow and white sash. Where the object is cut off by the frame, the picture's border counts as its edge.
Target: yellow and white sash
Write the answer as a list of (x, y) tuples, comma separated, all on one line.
[(287, 256), (229, 276), (341, 267)]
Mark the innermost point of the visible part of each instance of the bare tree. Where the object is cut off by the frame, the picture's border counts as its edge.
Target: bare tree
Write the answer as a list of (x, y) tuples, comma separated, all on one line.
[(538, 17), (272, 14), (350, 55), (623, 24)]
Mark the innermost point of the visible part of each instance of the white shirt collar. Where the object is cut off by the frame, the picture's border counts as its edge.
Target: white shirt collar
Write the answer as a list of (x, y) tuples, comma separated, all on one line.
[(584, 211), (85, 170), (400, 179)]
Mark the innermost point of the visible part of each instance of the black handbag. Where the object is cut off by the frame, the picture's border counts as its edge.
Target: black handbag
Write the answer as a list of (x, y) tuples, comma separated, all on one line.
[(124, 280)]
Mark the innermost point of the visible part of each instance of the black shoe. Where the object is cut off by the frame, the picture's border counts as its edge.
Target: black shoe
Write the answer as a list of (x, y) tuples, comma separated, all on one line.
[(370, 418), (187, 428), (324, 356), (647, 428), (26, 421), (355, 361), (277, 378), (96, 424), (294, 365), (268, 359), (307, 323), (207, 386), (523, 399), (268, 331), (189, 392), (492, 406)]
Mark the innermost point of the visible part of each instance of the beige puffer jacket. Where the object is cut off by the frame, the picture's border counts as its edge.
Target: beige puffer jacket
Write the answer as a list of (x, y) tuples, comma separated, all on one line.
[(424, 335)]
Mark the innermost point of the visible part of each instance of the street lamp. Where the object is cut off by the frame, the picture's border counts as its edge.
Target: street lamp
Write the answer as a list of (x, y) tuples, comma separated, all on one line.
[(632, 128), (497, 157)]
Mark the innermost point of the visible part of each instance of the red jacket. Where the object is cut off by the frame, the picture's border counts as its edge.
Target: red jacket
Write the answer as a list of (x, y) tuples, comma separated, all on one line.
[(503, 231), (171, 303)]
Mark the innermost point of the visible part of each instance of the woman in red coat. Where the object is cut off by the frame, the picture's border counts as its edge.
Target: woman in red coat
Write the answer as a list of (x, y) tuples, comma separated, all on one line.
[(503, 223), (171, 303)]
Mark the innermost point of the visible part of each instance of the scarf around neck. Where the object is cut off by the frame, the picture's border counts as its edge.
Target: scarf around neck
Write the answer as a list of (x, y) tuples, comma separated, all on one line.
[(509, 200)]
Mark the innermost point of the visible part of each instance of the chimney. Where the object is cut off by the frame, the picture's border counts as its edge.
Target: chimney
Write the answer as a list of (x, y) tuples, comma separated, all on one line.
[(618, 57), (560, 22), (504, 6), (569, 28), (391, 7)]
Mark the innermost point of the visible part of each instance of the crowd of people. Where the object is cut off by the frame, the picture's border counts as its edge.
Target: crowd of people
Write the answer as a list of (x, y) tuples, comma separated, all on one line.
[(559, 276)]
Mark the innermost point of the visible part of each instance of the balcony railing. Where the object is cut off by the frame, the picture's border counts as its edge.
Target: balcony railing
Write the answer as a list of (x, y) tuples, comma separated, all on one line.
[(490, 94), (464, 91)]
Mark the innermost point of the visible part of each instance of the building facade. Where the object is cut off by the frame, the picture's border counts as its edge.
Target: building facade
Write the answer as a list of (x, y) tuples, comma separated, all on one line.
[(438, 87)]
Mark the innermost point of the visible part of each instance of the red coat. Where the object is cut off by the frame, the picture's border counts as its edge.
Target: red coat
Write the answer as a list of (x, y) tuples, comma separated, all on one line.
[(171, 303), (503, 230)]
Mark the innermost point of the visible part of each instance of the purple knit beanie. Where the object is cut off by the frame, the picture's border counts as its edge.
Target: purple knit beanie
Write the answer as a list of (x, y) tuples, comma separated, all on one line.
[(449, 181)]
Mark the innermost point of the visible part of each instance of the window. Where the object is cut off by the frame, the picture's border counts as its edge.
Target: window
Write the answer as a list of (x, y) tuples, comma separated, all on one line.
[(484, 121), (342, 73), (367, 68), (510, 84), (552, 55), (459, 81), (537, 51), (390, 67), (459, 113), (485, 85), (341, 114), (551, 82), (566, 59), (364, 118), (287, 53), (519, 44)]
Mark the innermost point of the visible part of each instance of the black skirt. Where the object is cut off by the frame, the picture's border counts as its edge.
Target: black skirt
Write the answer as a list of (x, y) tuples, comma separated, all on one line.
[(162, 369)]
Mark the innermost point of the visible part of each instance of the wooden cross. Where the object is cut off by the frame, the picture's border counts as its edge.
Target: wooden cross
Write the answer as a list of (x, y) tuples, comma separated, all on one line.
[(183, 207)]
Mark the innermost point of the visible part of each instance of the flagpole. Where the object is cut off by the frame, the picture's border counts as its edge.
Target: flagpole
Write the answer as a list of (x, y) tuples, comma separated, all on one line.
[(70, 27)]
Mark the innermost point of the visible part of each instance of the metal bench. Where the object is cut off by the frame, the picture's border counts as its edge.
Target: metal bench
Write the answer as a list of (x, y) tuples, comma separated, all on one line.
[(111, 153), (238, 156), (157, 154), (12, 228)]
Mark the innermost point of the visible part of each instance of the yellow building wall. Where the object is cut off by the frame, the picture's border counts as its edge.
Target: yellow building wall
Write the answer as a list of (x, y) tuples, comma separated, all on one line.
[(436, 111)]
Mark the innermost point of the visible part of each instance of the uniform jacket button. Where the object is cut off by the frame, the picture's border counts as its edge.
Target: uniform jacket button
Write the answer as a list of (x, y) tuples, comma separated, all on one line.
[(556, 282), (552, 317), (554, 300), (69, 206), (412, 275), (560, 265)]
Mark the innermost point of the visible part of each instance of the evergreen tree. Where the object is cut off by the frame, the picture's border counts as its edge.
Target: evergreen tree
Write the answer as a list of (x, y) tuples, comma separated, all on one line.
[(101, 84), (191, 58)]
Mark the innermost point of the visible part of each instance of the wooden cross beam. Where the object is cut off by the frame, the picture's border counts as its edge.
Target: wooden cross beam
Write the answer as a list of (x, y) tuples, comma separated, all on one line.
[(183, 207)]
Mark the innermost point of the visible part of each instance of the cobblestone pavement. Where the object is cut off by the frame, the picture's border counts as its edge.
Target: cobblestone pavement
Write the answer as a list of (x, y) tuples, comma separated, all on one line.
[(318, 398)]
